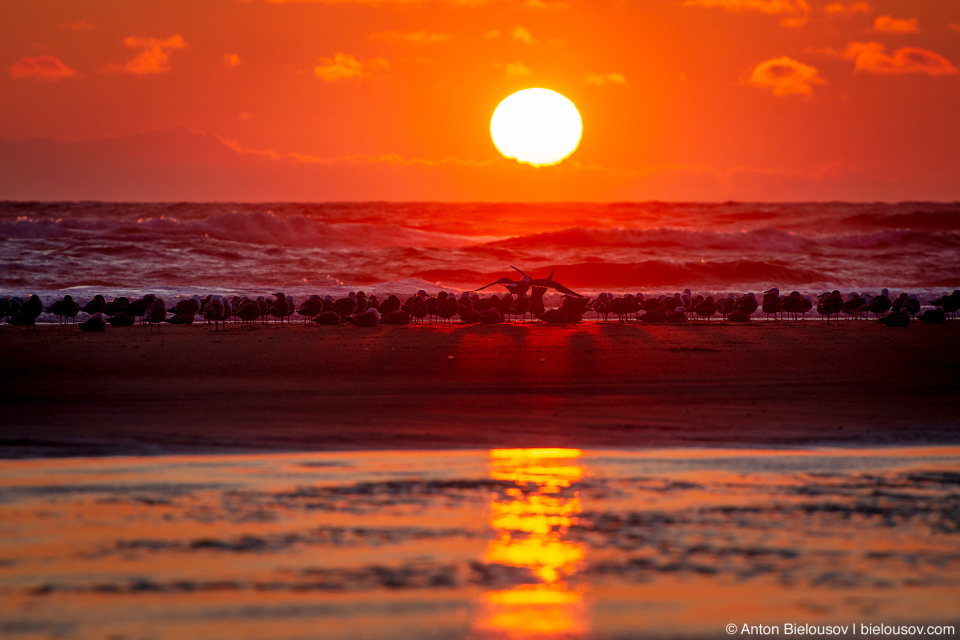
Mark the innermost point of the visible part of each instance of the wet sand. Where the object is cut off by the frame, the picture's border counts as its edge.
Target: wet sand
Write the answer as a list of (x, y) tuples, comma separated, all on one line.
[(191, 390), (518, 544)]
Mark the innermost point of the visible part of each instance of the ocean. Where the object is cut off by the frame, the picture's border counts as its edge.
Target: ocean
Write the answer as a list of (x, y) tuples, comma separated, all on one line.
[(173, 249)]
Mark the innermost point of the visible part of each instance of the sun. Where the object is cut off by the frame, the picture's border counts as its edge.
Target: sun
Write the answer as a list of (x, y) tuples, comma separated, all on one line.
[(536, 126)]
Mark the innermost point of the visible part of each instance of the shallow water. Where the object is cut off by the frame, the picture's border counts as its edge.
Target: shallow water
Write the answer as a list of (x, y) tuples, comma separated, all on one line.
[(519, 543)]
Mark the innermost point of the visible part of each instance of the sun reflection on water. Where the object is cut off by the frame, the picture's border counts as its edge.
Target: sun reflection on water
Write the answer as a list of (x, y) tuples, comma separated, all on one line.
[(530, 521)]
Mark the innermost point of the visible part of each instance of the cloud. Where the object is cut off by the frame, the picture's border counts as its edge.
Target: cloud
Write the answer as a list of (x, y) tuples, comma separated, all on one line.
[(522, 34), (40, 68), (493, 34), (231, 59), (847, 9), (415, 37), (889, 24), (81, 25), (794, 12), (344, 66), (516, 69), (604, 79), (154, 56), (786, 76), (955, 26), (870, 57)]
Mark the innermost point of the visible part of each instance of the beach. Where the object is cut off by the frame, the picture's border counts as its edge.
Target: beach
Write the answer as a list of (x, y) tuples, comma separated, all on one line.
[(305, 388), (518, 481)]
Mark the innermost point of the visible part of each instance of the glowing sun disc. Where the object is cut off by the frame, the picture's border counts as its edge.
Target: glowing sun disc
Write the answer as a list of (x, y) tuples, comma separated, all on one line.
[(536, 126)]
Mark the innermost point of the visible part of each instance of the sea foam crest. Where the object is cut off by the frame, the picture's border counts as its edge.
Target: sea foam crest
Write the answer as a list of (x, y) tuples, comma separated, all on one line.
[(249, 227)]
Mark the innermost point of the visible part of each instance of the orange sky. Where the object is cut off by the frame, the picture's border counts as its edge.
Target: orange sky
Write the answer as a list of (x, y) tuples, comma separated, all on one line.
[(391, 99)]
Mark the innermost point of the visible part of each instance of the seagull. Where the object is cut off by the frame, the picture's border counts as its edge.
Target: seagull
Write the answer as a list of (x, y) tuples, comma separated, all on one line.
[(122, 319), (536, 301), (190, 305), (950, 304), (521, 306), (747, 304), (94, 323), (391, 304), (792, 304), (154, 314), (855, 304), (447, 308), (97, 305), (248, 312), (880, 304), (933, 316), (707, 308), (331, 318), (602, 306), (311, 307), (115, 307), (64, 309), (213, 311), (771, 303), (912, 305), (397, 316), (370, 318), (280, 307), (417, 307), (549, 282), (346, 306), (896, 319), (830, 304), (724, 305), (28, 313), (513, 286)]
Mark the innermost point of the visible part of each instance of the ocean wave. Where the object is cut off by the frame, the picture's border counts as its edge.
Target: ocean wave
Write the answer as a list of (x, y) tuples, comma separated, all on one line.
[(342, 246), (765, 240), (249, 227), (727, 274)]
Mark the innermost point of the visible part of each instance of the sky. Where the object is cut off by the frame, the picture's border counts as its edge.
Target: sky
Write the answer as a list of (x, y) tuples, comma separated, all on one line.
[(758, 100)]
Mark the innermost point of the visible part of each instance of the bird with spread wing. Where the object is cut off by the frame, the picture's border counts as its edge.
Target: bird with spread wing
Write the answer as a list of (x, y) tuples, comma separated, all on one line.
[(522, 285)]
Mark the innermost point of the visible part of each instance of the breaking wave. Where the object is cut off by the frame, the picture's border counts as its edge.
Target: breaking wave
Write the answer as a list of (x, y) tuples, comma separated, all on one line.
[(262, 248)]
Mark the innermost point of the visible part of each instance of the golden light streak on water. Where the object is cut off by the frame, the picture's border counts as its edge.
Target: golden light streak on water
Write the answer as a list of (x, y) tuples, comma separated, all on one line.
[(530, 521)]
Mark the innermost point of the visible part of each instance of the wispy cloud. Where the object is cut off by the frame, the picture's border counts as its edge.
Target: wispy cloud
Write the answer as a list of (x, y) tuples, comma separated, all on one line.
[(40, 68), (889, 24), (412, 37), (386, 158), (154, 55), (954, 25), (493, 34), (232, 59), (847, 8), (344, 66), (870, 56), (515, 69), (794, 13), (81, 25), (604, 79), (522, 34), (786, 76)]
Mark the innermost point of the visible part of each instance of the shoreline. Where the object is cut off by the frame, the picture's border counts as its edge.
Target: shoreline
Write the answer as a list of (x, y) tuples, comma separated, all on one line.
[(595, 385)]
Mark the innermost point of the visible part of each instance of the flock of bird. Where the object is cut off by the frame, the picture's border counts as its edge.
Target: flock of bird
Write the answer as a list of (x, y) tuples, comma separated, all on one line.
[(523, 299)]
